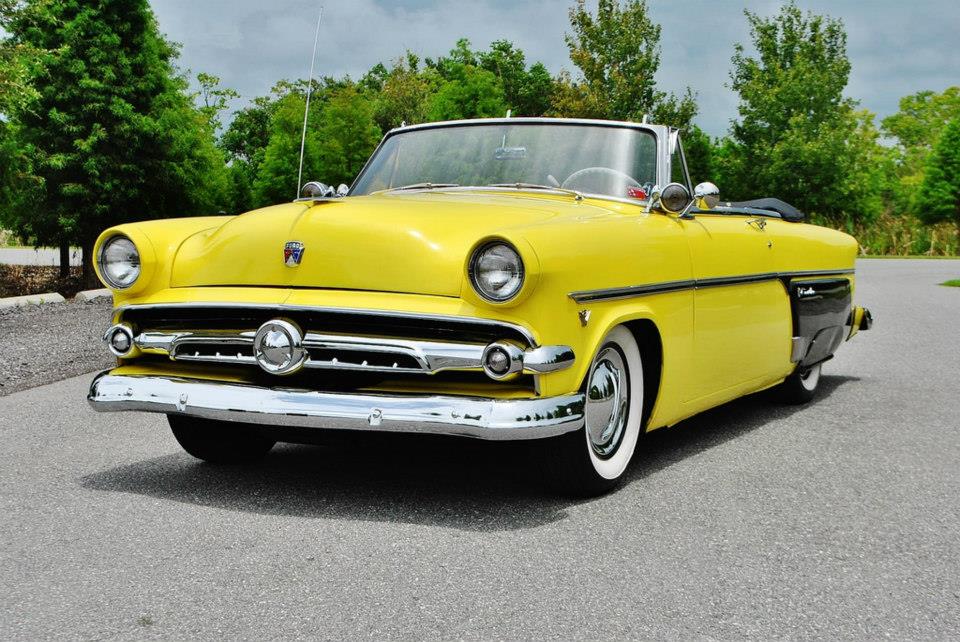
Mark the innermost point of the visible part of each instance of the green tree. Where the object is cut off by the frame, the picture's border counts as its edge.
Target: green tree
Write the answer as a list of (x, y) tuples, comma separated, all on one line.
[(401, 94), (15, 57), (340, 136), (16, 93), (245, 143), (348, 135), (467, 90), (213, 98), (618, 53), (798, 137), (938, 199), (527, 91), (276, 176), (112, 135), (916, 127), (699, 152)]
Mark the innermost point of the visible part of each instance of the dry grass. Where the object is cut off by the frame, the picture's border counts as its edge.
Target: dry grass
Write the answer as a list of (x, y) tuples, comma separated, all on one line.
[(18, 280)]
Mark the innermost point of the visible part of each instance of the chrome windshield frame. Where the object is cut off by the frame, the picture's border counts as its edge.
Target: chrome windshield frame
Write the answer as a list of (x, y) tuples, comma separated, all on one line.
[(661, 134)]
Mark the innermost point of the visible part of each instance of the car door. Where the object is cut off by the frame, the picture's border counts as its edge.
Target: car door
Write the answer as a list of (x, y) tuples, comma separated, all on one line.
[(742, 319), (742, 316)]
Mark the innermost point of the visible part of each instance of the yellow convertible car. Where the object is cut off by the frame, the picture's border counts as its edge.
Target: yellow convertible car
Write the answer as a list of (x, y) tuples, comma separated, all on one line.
[(513, 279)]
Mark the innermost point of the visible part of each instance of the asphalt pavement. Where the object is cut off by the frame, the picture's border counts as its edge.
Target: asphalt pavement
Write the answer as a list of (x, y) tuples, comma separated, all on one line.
[(838, 520)]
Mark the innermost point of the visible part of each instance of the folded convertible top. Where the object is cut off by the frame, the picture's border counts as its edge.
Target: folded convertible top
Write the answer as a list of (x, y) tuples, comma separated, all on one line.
[(786, 211)]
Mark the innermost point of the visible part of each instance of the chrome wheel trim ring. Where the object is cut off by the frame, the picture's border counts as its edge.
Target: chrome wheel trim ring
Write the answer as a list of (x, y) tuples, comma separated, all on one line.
[(607, 404), (810, 377)]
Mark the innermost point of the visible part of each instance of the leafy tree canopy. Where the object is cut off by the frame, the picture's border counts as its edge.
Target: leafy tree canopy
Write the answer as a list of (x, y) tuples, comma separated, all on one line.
[(939, 195), (112, 134), (797, 136), (618, 53)]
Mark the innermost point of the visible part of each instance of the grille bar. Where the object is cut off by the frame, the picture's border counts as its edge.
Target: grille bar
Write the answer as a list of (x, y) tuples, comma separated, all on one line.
[(326, 351)]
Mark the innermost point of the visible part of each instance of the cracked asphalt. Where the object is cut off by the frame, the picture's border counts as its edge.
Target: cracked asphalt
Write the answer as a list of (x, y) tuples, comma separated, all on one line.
[(838, 520)]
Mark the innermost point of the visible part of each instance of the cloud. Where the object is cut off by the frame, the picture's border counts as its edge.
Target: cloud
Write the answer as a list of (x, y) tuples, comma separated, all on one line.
[(896, 48)]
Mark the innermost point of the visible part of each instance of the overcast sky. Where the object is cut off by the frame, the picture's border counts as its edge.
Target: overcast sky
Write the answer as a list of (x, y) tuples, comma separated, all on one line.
[(896, 47)]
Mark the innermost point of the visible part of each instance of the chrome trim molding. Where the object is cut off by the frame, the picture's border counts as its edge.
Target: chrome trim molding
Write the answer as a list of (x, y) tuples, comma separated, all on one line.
[(494, 419), (281, 308), (431, 356), (799, 348), (631, 291)]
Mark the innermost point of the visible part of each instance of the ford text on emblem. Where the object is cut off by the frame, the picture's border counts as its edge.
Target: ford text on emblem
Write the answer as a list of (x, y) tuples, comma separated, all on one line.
[(293, 253)]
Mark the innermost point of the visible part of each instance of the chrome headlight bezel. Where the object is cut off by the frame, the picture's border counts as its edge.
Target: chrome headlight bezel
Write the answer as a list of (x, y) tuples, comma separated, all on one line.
[(476, 271), (129, 256)]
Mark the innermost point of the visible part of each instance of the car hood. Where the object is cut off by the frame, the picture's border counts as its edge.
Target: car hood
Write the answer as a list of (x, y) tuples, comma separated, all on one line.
[(413, 243)]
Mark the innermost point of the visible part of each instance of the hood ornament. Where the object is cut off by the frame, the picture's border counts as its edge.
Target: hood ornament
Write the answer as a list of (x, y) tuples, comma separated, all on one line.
[(293, 253)]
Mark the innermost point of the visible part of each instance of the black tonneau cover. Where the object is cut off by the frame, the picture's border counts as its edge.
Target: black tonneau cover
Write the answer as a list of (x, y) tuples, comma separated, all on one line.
[(786, 211)]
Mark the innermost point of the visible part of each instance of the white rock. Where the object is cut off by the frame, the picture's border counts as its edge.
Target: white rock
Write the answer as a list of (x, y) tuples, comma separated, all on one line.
[(93, 295), (30, 299)]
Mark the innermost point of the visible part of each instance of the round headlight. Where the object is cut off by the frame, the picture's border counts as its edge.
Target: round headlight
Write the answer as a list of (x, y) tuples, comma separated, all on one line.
[(119, 262), (496, 271)]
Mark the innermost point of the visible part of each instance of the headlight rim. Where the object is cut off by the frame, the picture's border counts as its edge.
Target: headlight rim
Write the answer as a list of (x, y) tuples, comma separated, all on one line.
[(472, 272), (101, 264)]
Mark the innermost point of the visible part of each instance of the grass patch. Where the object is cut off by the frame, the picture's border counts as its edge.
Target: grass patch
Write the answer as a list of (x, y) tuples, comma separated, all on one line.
[(910, 256), (952, 283), (19, 280)]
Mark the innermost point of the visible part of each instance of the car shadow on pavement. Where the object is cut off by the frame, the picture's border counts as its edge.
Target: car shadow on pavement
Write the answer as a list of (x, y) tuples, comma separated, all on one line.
[(442, 481)]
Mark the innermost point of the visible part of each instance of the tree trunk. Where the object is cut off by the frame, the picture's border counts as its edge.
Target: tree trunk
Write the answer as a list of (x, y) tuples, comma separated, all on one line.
[(90, 280), (64, 259)]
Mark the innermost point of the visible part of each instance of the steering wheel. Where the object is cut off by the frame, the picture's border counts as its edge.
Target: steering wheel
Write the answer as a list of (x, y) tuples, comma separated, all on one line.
[(605, 172)]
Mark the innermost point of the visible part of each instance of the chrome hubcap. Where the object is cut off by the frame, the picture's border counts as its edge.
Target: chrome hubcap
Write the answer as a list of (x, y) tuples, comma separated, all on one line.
[(607, 402)]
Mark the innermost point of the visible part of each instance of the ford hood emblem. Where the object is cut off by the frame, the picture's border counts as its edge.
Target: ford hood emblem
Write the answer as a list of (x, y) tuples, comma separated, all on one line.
[(293, 253)]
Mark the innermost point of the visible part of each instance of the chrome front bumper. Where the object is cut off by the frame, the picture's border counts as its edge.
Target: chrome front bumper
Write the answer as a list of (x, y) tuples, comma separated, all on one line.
[(495, 419)]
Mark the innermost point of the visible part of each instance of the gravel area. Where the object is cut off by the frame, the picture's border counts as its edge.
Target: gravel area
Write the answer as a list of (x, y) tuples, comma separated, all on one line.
[(43, 344)]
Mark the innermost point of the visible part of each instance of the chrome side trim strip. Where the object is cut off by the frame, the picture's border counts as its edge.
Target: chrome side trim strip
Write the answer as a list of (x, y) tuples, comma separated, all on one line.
[(531, 340), (631, 291), (494, 419)]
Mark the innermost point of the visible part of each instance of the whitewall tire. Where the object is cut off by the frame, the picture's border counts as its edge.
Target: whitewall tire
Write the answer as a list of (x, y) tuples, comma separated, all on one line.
[(592, 460), (801, 386)]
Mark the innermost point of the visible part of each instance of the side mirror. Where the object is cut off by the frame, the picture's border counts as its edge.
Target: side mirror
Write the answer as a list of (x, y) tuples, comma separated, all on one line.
[(342, 189), (315, 189), (706, 196), (674, 198)]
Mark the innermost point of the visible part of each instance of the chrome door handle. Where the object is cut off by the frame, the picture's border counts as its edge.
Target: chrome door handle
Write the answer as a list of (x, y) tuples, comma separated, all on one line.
[(759, 222)]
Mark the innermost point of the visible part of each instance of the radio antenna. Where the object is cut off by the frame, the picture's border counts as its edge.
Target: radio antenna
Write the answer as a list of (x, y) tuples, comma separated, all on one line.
[(306, 111)]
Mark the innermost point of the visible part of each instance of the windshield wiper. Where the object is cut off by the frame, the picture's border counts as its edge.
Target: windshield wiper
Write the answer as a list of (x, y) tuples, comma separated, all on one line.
[(421, 186), (549, 188)]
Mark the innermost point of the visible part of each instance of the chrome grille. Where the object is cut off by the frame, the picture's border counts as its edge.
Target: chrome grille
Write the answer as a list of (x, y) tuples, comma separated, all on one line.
[(355, 341)]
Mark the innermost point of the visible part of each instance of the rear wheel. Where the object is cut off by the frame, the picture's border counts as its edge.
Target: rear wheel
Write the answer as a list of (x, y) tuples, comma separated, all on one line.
[(592, 460), (801, 386), (219, 442)]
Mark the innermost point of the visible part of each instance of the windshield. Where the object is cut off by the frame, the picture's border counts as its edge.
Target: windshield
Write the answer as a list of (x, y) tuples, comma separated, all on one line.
[(593, 159)]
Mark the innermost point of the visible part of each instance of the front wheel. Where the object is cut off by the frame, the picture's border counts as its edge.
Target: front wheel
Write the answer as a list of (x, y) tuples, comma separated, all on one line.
[(591, 461), (801, 386), (219, 442)]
